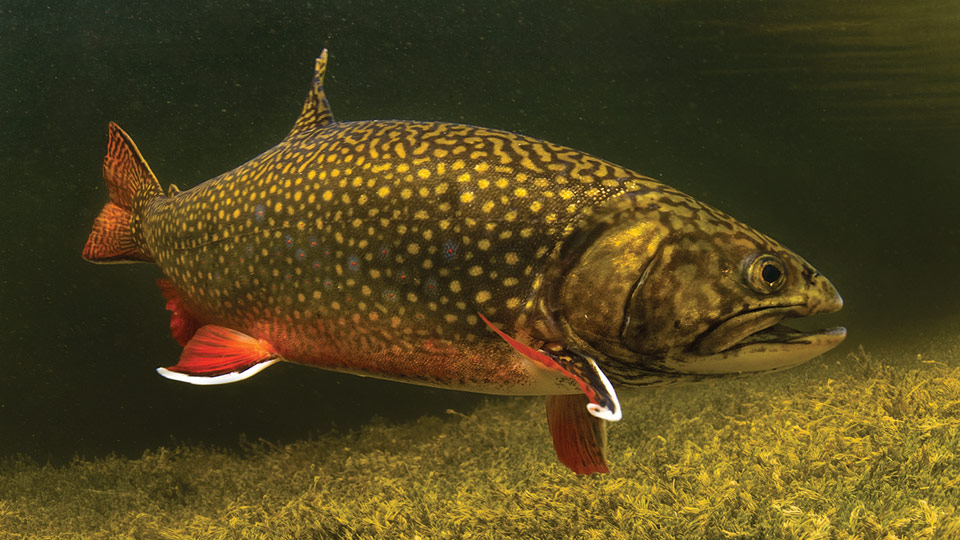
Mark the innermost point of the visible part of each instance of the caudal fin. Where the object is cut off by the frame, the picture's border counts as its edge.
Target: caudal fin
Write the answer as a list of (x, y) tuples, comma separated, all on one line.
[(130, 182)]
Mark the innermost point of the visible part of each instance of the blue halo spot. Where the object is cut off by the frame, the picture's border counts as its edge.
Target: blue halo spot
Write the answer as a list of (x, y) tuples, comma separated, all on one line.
[(431, 287), (353, 263), (259, 212), (449, 250), (301, 254)]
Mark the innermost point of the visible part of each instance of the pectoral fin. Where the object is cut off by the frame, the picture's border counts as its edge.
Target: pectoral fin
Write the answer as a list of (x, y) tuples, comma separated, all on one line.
[(579, 438), (602, 399)]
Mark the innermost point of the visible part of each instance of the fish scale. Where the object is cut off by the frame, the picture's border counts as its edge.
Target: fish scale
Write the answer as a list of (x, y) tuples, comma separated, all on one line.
[(460, 257)]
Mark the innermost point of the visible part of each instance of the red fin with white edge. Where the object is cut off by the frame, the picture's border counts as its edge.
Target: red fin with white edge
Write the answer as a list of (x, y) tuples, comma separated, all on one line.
[(183, 325), (218, 355), (579, 438), (128, 178), (602, 400)]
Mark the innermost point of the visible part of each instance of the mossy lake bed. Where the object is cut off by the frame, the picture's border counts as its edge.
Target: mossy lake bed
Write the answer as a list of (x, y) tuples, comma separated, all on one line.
[(863, 445)]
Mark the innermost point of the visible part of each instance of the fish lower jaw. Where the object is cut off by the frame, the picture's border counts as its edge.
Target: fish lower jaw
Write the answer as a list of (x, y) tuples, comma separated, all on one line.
[(776, 348)]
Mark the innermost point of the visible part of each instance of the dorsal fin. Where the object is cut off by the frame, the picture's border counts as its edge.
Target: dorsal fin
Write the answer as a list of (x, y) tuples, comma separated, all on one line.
[(316, 109)]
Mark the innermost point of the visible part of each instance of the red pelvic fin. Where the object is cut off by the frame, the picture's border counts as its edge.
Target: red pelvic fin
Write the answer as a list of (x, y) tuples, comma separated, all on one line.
[(579, 438), (183, 325), (128, 176), (218, 355)]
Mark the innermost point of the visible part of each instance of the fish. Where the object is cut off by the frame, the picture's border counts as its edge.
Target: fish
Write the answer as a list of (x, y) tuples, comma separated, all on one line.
[(460, 257)]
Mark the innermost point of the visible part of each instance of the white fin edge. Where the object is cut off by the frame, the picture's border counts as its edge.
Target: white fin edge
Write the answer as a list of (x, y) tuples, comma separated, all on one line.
[(226, 378), (602, 412)]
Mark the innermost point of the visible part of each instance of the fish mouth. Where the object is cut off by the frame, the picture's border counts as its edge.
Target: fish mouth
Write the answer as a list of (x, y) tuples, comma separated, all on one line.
[(755, 340)]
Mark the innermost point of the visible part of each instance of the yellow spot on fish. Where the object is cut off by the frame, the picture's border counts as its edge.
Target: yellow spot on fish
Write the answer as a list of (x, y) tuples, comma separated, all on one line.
[(423, 173), (383, 191), (466, 197), (455, 286), (511, 258), (482, 296), (513, 303), (475, 270)]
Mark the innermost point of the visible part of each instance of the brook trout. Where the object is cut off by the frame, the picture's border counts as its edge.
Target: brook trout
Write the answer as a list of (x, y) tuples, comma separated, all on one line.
[(460, 257)]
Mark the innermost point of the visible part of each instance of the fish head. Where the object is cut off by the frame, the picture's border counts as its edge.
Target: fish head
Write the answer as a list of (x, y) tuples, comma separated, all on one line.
[(673, 287)]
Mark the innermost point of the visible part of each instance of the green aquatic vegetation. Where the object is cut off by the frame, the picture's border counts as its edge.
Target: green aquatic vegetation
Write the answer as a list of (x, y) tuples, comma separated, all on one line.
[(846, 447)]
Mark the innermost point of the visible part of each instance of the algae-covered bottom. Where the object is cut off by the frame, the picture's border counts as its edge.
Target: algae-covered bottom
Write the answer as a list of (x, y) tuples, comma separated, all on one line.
[(847, 447)]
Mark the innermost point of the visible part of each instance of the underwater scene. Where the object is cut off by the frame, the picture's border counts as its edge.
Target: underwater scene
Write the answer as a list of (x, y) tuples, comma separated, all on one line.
[(628, 269)]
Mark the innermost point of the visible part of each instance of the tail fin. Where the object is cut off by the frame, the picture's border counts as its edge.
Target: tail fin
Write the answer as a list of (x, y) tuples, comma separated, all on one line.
[(130, 182)]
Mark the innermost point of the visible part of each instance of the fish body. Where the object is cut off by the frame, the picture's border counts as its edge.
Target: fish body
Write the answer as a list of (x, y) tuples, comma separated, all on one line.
[(460, 257)]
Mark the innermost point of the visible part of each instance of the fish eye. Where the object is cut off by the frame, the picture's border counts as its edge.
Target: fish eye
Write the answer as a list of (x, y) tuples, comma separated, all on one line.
[(766, 274)]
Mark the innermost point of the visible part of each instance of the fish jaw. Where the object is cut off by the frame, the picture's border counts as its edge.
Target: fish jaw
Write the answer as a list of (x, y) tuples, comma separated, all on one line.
[(772, 349), (754, 340)]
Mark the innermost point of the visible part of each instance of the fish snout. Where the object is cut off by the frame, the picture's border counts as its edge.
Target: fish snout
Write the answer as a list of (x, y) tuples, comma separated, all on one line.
[(823, 297)]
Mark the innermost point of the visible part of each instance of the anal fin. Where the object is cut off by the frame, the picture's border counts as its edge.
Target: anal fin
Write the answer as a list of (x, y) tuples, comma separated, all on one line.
[(579, 438), (219, 355)]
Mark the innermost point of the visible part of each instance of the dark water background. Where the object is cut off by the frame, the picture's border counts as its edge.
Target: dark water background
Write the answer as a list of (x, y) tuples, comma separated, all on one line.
[(832, 126)]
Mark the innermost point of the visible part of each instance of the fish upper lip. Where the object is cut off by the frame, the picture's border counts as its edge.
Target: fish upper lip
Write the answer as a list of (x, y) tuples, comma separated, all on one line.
[(756, 320)]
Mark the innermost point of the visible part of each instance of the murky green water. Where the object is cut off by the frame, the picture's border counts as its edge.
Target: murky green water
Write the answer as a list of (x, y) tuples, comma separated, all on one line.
[(834, 127)]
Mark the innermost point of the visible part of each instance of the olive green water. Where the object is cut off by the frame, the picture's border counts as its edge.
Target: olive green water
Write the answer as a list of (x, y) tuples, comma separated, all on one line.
[(833, 128)]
